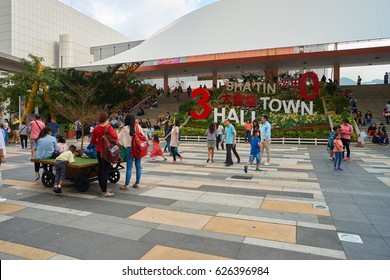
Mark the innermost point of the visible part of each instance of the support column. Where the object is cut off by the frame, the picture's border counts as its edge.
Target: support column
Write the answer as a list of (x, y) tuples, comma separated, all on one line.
[(336, 73), (166, 86), (215, 79), (270, 73)]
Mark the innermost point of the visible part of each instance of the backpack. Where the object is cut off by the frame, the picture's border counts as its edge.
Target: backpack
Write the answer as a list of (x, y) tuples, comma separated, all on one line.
[(111, 150), (331, 141), (139, 145)]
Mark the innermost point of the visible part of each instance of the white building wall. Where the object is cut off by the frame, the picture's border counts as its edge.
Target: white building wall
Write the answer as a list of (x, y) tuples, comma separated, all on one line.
[(34, 27)]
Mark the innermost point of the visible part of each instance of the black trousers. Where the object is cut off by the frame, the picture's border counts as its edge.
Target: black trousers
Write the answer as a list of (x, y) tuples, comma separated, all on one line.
[(79, 133), (23, 141), (229, 160), (346, 143), (104, 168), (175, 153), (235, 152)]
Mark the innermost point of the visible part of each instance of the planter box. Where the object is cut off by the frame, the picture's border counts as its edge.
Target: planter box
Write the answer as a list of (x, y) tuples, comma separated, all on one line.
[(70, 134)]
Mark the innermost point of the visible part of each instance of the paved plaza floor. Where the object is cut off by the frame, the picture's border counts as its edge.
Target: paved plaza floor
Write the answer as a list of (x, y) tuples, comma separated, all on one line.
[(296, 208)]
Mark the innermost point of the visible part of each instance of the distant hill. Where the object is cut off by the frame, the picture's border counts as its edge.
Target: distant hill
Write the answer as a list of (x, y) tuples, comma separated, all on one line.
[(347, 82), (344, 81)]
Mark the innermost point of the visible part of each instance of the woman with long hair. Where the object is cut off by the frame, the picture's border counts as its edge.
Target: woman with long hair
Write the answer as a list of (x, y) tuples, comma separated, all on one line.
[(175, 140), (104, 167), (211, 134), (125, 139)]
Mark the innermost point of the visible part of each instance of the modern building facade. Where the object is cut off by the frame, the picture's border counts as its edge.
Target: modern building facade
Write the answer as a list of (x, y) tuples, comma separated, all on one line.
[(52, 30)]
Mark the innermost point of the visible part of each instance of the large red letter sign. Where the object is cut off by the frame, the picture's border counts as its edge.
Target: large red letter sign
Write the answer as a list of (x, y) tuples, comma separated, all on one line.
[(204, 93), (316, 86)]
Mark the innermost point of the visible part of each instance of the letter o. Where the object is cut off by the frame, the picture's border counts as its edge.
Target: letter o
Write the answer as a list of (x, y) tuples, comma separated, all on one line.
[(271, 103), (303, 89)]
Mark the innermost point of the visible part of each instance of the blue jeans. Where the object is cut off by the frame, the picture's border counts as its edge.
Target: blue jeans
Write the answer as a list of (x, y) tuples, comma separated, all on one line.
[(129, 167), (337, 161), (252, 157), (368, 121), (247, 136)]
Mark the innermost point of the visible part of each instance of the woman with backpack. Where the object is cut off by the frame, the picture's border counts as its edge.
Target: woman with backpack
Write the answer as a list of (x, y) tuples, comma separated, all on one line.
[(126, 139), (104, 166)]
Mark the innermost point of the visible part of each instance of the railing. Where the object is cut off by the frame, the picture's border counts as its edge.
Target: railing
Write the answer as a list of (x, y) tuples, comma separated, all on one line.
[(296, 141)]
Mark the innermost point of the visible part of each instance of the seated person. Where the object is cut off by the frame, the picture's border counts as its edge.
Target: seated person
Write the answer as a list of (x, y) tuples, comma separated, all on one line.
[(368, 118), (359, 118), (371, 131), (383, 138), (90, 151), (141, 112)]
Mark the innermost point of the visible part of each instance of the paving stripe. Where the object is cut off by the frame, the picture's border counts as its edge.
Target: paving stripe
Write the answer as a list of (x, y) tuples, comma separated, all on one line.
[(168, 253), (175, 218), (7, 208), (23, 251), (50, 208), (262, 230), (4, 218), (296, 248), (258, 219), (293, 207)]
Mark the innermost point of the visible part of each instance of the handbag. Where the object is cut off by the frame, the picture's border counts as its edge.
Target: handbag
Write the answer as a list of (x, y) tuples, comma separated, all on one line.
[(123, 152)]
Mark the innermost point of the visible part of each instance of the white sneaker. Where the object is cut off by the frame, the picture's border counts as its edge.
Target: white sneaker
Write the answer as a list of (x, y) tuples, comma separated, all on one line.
[(37, 176), (267, 163), (3, 199)]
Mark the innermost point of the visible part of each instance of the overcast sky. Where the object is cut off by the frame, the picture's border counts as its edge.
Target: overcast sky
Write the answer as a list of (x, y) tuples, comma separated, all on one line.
[(139, 19)]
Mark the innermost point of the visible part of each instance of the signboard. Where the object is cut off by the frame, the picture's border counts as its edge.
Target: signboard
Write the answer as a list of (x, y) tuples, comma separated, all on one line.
[(251, 99)]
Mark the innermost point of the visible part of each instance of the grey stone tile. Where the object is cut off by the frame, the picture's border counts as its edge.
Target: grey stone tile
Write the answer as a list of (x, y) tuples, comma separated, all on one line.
[(240, 191), (371, 245), (349, 216), (338, 198), (250, 252), (343, 207), (182, 205), (279, 215), (376, 210), (15, 194), (318, 238), (46, 216), (325, 220), (378, 219), (17, 227), (353, 255), (193, 243), (383, 230), (147, 199), (368, 201), (356, 228), (116, 209), (4, 256), (93, 246), (42, 236), (120, 229)]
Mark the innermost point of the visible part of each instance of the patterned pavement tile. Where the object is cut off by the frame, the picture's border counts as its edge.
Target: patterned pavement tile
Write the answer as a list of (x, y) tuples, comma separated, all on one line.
[(294, 207), (25, 252), (168, 253), (175, 218), (262, 230)]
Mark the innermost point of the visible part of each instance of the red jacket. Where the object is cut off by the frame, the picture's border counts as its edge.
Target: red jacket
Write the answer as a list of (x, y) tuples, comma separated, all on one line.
[(97, 135)]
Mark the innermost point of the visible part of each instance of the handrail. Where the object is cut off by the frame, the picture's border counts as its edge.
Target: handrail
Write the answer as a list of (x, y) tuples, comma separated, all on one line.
[(283, 140)]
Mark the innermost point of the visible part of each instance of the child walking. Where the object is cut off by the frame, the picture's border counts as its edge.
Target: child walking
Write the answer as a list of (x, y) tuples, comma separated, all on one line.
[(336, 129), (338, 151), (60, 166), (255, 151), (157, 151)]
